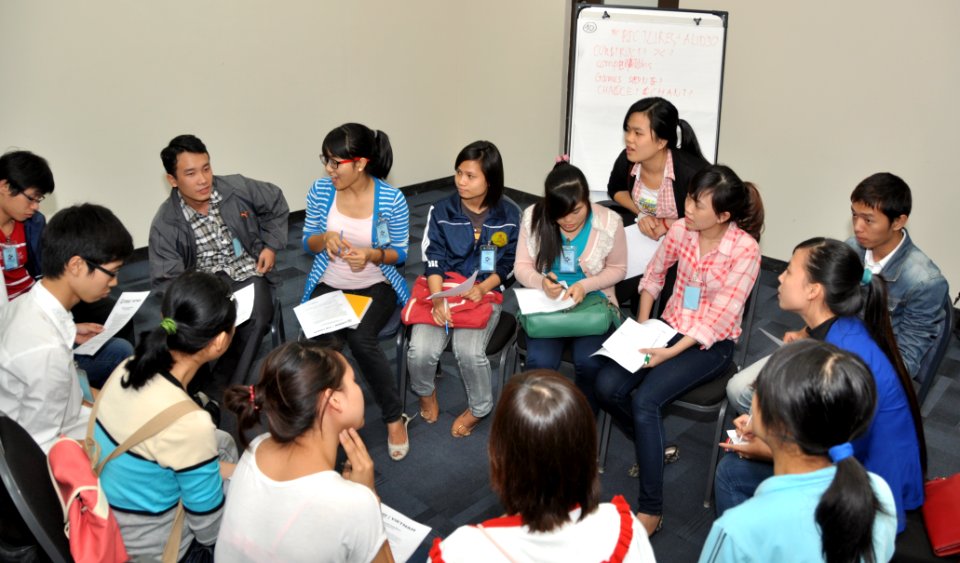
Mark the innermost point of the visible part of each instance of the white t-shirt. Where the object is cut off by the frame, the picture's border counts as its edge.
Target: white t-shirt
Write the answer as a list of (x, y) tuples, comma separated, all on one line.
[(320, 517), (595, 538)]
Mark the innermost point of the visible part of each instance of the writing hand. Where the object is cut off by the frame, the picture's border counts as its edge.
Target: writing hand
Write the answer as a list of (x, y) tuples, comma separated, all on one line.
[(441, 312), (551, 287), (657, 356)]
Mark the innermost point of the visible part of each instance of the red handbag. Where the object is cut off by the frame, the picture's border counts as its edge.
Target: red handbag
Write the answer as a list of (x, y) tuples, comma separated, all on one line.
[(465, 313), (941, 514)]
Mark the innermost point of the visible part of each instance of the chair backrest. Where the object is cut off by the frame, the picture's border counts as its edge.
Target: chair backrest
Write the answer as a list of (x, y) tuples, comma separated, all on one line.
[(931, 362), (23, 469)]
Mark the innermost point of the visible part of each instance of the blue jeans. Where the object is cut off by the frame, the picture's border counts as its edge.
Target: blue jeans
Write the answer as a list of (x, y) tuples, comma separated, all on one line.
[(427, 342), (546, 353), (636, 400), (737, 479), (99, 366)]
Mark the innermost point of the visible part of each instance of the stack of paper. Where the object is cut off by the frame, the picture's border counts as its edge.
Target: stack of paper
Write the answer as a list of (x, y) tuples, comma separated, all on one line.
[(127, 305), (536, 301), (624, 345), (404, 534), (331, 312)]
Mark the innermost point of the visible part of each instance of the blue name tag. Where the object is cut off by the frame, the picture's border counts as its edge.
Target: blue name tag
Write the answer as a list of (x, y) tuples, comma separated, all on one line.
[(10, 259), (488, 259), (383, 232), (237, 247), (568, 259), (691, 297)]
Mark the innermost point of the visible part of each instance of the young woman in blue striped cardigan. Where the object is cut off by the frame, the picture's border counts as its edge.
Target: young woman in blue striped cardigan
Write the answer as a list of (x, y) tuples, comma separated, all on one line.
[(357, 227)]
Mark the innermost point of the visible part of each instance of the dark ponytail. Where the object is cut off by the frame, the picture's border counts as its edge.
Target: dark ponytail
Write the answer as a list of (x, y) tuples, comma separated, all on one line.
[(292, 379), (664, 122), (850, 291), (353, 140), (732, 195), (196, 308), (564, 189), (819, 397)]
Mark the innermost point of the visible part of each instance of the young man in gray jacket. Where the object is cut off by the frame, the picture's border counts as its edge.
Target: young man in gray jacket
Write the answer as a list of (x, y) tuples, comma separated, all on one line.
[(230, 226)]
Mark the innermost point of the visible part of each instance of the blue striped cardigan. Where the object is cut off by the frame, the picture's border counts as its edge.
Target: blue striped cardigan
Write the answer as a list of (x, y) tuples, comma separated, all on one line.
[(388, 202)]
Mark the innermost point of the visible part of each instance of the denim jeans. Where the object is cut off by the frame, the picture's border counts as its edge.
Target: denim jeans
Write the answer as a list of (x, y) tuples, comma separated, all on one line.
[(365, 347), (99, 366), (427, 342), (547, 353), (635, 400), (737, 479)]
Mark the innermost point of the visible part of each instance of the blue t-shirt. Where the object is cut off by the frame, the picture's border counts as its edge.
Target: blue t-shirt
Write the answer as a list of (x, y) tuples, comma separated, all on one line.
[(779, 522), (579, 244)]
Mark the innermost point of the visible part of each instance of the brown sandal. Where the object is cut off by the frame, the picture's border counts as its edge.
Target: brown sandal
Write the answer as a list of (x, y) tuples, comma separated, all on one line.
[(429, 408), (464, 424)]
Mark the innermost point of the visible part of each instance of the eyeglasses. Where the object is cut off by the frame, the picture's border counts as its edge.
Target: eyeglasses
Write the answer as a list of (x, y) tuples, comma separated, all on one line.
[(334, 163), (33, 199), (96, 266)]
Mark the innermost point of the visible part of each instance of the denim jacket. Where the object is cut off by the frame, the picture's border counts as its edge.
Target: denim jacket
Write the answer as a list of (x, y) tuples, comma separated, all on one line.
[(916, 291)]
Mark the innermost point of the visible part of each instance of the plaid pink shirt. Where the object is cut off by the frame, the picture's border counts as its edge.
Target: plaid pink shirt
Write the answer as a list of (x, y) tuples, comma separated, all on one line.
[(666, 203), (725, 276)]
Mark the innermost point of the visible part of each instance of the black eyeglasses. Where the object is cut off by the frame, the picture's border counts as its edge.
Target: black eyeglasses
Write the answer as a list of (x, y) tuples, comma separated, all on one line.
[(33, 199), (96, 266)]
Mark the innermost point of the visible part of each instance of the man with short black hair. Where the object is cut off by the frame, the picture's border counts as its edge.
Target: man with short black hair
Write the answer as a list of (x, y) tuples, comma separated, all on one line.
[(83, 249), (231, 226), (916, 290)]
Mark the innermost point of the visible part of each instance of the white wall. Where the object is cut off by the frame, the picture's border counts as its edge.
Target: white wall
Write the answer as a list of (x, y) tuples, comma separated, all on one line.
[(99, 88), (820, 94), (817, 95)]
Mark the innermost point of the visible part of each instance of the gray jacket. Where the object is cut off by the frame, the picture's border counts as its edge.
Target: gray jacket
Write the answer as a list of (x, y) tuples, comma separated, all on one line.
[(254, 211), (916, 291)]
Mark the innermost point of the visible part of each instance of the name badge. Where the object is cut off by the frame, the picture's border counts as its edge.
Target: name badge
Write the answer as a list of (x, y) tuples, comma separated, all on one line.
[(568, 259), (383, 232), (11, 260), (691, 297), (488, 258), (237, 247)]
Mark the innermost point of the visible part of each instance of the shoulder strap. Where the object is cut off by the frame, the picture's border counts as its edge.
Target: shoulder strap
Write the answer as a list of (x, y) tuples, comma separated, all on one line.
[(495, 544), (171, 550), (162, 420)]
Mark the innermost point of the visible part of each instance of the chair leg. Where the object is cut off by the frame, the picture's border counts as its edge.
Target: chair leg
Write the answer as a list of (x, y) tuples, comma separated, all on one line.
[(605, 423), (715, 456)]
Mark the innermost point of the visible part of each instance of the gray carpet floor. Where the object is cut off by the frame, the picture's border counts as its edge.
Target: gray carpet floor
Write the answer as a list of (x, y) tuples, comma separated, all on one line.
[(444, 482)]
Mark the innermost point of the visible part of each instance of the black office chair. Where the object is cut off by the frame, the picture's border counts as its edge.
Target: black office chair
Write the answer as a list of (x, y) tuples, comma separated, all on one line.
[(927, 372), (498, 349), (711, 397), (26, 479)]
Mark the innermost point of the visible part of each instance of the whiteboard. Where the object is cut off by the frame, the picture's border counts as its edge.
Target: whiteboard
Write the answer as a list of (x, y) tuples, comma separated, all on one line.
[(625, 54)]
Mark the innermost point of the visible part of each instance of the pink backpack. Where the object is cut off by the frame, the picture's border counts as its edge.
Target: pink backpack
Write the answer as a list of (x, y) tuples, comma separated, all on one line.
[(92, 529)]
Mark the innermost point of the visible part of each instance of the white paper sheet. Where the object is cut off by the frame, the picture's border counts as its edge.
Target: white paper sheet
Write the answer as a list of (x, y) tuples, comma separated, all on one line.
[(735, 438), (536, 301), (127, 306), (458, 290), (244, 297), (326, 313), (623, 346), (640, 249), (244, 300), (775, 340), (405, 535)]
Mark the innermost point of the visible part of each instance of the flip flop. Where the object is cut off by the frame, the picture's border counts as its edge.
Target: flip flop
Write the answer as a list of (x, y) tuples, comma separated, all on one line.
[(461, 428)]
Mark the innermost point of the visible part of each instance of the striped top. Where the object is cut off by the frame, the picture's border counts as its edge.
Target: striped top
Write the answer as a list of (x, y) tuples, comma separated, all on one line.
[(388, 203)]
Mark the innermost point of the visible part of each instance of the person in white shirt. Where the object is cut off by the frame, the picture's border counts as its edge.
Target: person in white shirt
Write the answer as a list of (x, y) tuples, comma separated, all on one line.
[(83, 249), (543, 467), (287, 502)]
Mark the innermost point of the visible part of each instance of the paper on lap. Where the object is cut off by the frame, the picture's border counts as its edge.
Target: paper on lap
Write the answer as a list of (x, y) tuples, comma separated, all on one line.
[(244, 299), (533, 301), (458, 290), (326, 313), (623, 346), (127, 306), (403, 534)]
